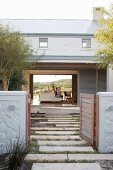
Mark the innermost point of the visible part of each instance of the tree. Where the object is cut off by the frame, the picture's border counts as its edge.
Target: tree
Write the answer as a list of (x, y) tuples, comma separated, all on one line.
[(16, 81), (104, 36), (15, 54)]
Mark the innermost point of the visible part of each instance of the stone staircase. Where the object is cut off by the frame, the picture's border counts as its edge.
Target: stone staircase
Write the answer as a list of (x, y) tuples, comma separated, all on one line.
[(56, 144)]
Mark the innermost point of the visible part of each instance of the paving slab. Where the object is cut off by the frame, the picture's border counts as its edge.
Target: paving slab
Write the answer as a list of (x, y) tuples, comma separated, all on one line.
[(58, 110), (67, 125), (55, 118), (55, 128), (62, 123), (90, 157), (46, 157), (52, 137), (59, 116), (61, 143), (66, 149), (66, 166), (63, 120), (72, 128), (56, 132)]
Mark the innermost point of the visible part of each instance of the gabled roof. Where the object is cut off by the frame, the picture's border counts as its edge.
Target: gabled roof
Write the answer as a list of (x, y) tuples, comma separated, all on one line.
[(52, 26)]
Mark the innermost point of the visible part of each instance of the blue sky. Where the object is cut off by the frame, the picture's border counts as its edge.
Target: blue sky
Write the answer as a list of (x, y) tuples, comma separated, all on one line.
[(50, 9)]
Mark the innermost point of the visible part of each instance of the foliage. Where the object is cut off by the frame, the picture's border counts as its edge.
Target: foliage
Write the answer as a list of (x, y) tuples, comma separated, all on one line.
[(16, 152), (15, 52), (16, 81), (104, 35), (65, 85)]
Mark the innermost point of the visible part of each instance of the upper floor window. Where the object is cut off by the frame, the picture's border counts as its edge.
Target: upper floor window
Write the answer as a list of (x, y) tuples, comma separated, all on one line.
[(86, 43), (43, 42)]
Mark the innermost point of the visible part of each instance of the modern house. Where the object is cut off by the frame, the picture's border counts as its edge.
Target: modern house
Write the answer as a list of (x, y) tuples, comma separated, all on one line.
[(65, 47)]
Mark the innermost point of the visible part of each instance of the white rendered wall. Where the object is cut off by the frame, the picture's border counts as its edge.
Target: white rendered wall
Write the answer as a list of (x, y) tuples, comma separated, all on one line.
[(12, 117), (66, 46), (109, 79), (105, 138)]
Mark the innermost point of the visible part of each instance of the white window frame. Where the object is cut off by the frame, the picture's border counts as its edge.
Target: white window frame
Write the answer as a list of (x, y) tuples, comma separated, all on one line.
[(43, 42), (86, 42)]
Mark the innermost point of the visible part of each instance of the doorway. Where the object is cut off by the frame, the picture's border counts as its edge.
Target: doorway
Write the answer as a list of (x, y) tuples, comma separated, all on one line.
[(52, 88), (29, 74)]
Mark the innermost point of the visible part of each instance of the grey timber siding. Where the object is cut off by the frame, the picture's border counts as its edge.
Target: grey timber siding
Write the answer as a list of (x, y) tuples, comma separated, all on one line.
[(87, 81), (102, 81)]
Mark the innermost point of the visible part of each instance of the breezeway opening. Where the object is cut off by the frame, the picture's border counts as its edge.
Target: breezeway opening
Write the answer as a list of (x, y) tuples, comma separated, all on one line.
[(52, 88)]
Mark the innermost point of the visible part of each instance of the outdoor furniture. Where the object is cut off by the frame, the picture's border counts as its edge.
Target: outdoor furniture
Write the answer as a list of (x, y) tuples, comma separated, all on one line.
[(67, 95), (48, 96)]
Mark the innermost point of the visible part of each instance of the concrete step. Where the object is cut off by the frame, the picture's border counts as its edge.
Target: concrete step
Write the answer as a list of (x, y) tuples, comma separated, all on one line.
[(53, 125), (46, 157), (56, 132), (56, 121), (55, 149), (90, 157), (56, 118), (66, 166), (67, 125), (63, 120), (68, 157), (55, 128), (60, 123), (61, 143), (58, 110), (53, 137)]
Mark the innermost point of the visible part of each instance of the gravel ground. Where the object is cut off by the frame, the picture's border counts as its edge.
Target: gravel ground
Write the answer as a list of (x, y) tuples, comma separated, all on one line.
[(25, 166), (106, 165)]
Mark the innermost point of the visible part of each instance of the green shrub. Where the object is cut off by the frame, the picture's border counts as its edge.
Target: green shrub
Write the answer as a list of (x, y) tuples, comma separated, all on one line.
[(16, 153)]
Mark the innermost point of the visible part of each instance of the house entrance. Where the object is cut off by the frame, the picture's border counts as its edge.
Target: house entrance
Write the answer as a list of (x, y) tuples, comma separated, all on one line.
[(68, 95), (52, 88)]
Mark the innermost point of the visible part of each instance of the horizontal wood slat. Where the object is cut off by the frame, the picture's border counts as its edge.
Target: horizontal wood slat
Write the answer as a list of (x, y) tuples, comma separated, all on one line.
[(87, 117), (86, 110), (87, 105)]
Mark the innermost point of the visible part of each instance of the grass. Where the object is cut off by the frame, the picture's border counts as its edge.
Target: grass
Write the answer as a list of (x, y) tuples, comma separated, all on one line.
[(64, 152), (16, 152), (63, 145), (79, 161)]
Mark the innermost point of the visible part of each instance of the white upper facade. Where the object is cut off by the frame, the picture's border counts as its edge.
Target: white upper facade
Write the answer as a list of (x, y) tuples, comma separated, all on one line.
[(63, 45), (60, 39)]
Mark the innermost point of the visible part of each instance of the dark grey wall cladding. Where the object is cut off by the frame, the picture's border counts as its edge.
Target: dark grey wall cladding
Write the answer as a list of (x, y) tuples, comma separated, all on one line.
[(87, 81), (102, 80)]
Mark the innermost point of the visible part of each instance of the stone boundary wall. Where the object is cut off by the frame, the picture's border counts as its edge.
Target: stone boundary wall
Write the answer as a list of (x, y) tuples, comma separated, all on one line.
[(105, 122), (12, 117)]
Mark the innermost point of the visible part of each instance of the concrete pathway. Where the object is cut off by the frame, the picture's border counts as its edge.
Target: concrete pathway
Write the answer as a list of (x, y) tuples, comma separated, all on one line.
[(66, 166), (57, 145), (68, 157), (62, 143)]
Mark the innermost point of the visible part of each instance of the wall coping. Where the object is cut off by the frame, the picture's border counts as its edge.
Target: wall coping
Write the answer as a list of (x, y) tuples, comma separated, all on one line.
[(13, 93), (105, 94)]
